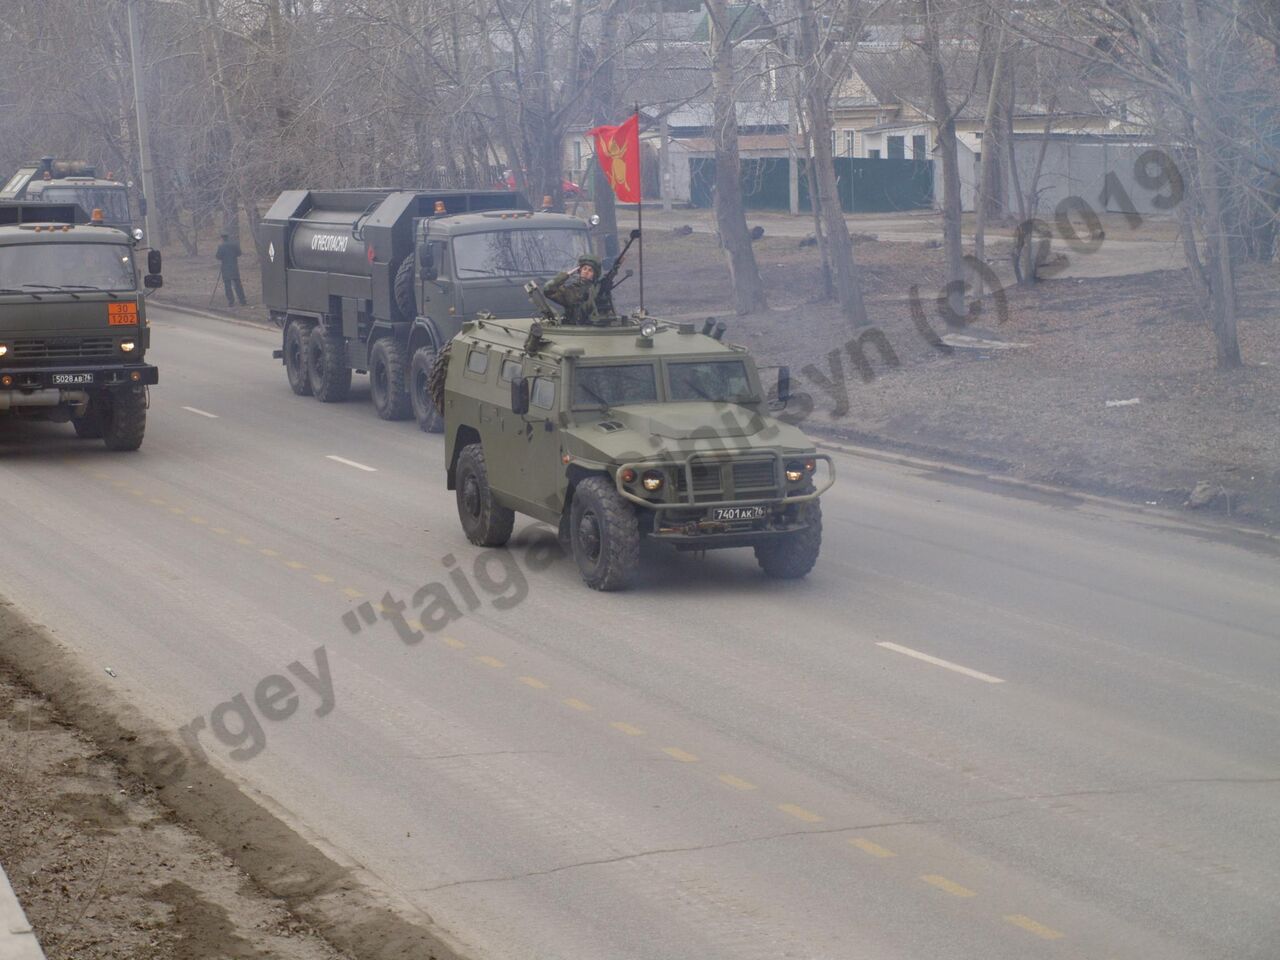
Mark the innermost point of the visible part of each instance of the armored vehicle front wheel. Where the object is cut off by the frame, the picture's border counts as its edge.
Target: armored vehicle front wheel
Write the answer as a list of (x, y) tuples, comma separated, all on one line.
[(792, 555), (420, 390), (389, 380), (124, 418), (296, 338), (485, 522), (604, 534), (327, 366)]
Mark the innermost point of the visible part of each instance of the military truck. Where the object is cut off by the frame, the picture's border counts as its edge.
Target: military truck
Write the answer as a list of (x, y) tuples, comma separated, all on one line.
[(641, 429), (72, 181), (73, 327), (378, 281)]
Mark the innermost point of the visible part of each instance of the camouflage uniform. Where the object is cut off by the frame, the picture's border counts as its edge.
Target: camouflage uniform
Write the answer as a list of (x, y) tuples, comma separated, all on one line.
[(581, 298)]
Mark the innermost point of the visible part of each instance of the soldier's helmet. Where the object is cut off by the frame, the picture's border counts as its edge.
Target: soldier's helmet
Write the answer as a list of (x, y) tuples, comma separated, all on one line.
[(587, 260)]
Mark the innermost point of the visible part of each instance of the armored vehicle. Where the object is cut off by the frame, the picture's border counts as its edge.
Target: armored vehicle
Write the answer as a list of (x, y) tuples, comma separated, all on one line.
[(381, 280), (73, 327), (71, 181), (614, 433)]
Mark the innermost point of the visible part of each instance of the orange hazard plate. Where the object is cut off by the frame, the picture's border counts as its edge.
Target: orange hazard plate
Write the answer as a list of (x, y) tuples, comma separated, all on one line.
[(122, 314)]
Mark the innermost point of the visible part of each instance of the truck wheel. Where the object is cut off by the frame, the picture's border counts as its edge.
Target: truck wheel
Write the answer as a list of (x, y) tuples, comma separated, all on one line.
[(327, 366), (792, 555), (295, 357), (388, 380), (424, 404), (605, 535), (485, 522), (89, 426), (405, 294), (124, 418)]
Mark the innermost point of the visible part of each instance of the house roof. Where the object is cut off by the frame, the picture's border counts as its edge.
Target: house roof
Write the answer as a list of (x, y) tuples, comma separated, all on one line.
[(748, 20), (747, 142), (769, 113)]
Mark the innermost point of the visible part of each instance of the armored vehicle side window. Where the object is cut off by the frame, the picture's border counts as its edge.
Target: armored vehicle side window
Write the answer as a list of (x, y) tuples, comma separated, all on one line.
[(718, 380), (510, 370), (543, 393), (82, 266), (112, 201), (478, 361), (615, 384)]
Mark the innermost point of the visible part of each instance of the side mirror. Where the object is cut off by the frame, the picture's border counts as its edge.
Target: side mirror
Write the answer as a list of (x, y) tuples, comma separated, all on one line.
[(427, 261), (153, 261), (784, 384), (153, 281), (520, 396)]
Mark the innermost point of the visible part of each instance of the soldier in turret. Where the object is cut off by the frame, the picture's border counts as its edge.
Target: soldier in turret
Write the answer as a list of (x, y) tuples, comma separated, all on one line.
[(578, 291)]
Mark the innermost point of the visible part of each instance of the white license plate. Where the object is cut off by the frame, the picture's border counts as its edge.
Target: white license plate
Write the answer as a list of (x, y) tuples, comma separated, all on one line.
[(61, 378), (737, 513)]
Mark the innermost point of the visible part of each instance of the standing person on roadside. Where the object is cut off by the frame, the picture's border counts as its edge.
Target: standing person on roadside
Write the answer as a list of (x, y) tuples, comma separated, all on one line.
[(228, 257)]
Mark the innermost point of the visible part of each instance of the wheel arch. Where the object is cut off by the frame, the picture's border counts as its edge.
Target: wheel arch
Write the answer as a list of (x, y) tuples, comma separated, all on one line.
[(463, 436)]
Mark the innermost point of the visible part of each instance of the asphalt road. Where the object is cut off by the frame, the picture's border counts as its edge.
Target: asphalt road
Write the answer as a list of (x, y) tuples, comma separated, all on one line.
[(711, 766)]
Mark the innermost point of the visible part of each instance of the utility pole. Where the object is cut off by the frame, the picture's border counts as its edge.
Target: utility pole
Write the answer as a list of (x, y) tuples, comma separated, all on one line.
[(144, 136), (664, 161)]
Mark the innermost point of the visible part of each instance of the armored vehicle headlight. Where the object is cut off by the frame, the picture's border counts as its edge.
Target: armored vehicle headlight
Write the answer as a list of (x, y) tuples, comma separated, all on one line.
[(652, 480), (628, 475), (795, 471), (648, 328), (137, 233), (128, 346)]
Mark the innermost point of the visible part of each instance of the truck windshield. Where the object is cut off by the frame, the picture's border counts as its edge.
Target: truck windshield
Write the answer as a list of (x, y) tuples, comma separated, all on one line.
[(72, 266), (719, 380), (527, 253), (112, 201), (613, 385)]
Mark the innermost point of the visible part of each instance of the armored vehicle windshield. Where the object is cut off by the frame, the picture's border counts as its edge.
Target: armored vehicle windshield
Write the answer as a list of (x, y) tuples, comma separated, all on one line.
[(67, 266)]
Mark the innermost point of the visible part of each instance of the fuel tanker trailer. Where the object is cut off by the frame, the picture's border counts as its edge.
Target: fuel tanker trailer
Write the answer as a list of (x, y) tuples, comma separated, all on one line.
[(378, 281)]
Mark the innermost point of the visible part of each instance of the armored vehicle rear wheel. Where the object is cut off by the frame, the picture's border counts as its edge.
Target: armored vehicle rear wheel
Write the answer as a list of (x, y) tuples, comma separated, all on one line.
[(420, 391), (792, 555), (605, 535), (388, 380), (124, 418), (295, 357), (485, 522), (327, 366), (89, 426)]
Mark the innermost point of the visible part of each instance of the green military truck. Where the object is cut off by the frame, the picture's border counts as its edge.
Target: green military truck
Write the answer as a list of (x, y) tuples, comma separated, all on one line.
[(637, 430), (378, 281), (49, 180), (73, 326)]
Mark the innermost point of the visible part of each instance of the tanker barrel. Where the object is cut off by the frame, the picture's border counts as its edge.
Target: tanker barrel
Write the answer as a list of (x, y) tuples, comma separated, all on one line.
[(329, 247)]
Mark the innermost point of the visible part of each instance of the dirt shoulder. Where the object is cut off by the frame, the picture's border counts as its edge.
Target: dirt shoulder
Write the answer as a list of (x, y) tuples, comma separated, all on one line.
[(118, 853)]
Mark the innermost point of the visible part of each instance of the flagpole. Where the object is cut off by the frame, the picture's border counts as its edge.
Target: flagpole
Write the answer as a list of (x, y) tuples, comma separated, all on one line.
[(640, 202)]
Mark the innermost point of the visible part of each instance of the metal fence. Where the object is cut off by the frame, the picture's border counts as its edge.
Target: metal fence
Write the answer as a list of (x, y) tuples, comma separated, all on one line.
[(865, 186)]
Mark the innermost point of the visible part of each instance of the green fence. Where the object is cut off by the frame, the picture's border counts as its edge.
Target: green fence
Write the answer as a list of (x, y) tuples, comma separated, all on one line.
[(866, 186)]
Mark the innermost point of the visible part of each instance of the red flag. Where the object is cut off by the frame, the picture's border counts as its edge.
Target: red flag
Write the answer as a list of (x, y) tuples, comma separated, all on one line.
[(618, 150)]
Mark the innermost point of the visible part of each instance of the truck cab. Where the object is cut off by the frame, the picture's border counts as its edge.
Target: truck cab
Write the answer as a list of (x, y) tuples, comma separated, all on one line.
[(73, 327), (71, 181)]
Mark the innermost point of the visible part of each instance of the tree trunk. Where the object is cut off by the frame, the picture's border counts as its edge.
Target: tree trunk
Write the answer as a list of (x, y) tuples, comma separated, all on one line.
[(731, 218), (945, 121), (988, 203)]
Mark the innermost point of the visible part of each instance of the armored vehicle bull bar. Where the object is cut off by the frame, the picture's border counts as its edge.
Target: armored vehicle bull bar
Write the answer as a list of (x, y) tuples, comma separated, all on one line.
[(689, 499)]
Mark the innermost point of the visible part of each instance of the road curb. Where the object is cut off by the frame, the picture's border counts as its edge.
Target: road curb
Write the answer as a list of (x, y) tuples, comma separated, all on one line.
[(17, 939), (211, 315)]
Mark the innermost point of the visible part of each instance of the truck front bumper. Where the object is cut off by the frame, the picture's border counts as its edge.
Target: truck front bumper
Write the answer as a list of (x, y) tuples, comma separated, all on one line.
[(52, 386)]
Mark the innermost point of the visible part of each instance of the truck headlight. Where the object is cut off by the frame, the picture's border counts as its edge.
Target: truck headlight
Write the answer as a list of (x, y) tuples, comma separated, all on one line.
[(128, 346), (4, 349), (652, 480)]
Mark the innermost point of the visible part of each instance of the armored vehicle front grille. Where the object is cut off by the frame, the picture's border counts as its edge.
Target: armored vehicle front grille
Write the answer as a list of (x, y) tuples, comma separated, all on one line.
[(55, 349), (707, 481), (754, 475)]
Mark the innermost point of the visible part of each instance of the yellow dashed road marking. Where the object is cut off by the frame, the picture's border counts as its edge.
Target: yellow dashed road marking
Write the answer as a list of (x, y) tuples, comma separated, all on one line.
[(533, 682), (352, 592), (244, 541), (577, 704), (323, 578), (295, 565), (627, 728), (489, 661), (1031, 926), (199, 520), (177, 510), (677, 754), (136, 492), (873, 849), (800, 813), (737, 782), (268, 552), (454, 642), (156, 501), (950, 886), (223, 531)]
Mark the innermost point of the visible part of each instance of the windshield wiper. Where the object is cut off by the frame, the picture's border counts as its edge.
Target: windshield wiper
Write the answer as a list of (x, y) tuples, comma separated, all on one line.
[(49, 286), (501, 272), (80, 286)]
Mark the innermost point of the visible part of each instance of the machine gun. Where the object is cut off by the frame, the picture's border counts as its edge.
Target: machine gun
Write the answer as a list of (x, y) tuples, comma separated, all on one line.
[(608, 281)]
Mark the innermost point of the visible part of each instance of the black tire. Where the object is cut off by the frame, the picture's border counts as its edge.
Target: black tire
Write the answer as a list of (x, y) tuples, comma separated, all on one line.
[(405, 294), (792, 555), (327, 366), (296, 366), (124, 418), (389, 380), (89, 426), (485, 522), (605, 535), (425, 412)]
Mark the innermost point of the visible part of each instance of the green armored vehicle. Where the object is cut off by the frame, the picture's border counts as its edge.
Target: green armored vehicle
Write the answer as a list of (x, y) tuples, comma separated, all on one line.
[(73, 325), (614, 433)]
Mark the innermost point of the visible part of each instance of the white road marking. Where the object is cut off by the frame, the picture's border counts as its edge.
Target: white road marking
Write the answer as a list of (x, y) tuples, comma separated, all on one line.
[(201, 413), (352, 463), (937, 662)]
